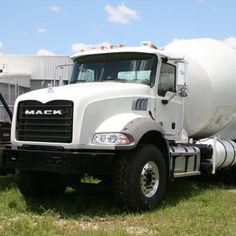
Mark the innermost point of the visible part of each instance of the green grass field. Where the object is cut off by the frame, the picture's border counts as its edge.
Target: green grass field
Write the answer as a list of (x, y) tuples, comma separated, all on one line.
[(192, 207)]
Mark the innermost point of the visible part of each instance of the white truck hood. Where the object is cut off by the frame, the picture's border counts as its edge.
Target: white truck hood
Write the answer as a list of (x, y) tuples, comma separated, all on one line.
[(90, 91)]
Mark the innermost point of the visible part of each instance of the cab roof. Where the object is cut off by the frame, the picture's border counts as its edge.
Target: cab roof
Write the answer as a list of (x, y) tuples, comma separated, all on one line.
[(140, 49)]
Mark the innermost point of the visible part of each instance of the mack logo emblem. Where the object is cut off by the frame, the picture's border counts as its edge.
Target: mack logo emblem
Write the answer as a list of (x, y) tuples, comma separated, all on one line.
[(44, 112)]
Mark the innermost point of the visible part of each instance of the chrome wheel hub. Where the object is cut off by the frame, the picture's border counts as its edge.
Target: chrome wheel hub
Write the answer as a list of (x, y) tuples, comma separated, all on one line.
[(149, 179)]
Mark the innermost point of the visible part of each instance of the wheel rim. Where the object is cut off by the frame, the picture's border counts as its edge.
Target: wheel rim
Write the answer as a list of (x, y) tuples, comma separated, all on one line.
[(149, 179)]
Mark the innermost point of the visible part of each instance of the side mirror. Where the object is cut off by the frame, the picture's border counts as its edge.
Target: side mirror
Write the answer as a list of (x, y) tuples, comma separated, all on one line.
[(183, 91), (181, 74)]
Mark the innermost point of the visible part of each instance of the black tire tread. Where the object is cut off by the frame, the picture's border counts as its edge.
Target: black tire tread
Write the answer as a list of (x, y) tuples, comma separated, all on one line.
[(123, 182)]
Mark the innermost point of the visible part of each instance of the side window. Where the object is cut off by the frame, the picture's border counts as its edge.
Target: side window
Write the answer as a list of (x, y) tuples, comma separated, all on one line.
[(167, 79)]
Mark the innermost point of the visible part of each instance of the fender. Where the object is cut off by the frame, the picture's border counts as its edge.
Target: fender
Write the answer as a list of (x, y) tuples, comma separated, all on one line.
[(133, 125), (138, 127), (141, 126)]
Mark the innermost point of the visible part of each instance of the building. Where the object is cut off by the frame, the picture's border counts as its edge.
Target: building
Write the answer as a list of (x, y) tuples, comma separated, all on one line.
[(20, 74)]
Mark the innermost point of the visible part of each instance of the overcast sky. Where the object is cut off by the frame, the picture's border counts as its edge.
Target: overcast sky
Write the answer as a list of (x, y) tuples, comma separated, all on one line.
[(62, 27)]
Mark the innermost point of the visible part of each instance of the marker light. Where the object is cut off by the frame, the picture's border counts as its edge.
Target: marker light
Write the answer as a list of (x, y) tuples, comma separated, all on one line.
[(102, 47), (148, 44), (152, 45), (121, 45), (110, 139)]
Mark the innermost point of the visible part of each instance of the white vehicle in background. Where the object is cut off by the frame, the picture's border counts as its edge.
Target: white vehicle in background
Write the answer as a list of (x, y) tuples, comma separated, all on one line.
[(135, 117)]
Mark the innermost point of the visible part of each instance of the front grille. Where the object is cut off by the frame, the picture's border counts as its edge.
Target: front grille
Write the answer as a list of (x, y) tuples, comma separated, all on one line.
[(49, 122)]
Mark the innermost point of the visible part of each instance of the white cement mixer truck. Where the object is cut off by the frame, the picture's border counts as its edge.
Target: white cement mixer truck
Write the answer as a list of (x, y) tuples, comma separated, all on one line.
[(132, 117)]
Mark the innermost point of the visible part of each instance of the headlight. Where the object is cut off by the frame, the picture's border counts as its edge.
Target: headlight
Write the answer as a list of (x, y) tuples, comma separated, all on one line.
[(111, 139)]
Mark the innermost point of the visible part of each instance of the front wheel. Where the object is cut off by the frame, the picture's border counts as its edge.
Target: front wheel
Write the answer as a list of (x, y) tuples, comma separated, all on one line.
[(141, 178)]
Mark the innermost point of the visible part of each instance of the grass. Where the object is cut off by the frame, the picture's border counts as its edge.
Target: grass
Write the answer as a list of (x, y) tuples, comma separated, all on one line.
[(192, 207)]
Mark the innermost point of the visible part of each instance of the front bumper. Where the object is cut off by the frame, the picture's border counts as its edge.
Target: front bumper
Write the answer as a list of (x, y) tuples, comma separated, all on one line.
[(59, 161)]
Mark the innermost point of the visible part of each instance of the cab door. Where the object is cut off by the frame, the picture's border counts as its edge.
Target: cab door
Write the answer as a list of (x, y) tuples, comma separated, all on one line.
[(169, 102)]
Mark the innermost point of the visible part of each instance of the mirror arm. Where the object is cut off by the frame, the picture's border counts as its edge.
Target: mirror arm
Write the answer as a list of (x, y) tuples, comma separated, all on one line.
[(181, 92)]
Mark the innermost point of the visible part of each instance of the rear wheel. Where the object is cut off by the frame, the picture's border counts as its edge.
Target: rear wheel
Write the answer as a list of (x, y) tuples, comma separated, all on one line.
[(228, 176), (234, 174), (140, 178), (39, 184)]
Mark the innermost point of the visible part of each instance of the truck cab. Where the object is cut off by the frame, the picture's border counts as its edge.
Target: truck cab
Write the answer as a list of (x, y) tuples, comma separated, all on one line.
[(129, 83)]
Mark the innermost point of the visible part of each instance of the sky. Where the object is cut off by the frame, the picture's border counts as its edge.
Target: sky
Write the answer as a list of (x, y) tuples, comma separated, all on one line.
[(64, 27)]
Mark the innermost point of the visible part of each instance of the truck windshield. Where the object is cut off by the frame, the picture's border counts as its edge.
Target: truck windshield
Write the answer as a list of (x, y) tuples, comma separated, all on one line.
[(119, 67)]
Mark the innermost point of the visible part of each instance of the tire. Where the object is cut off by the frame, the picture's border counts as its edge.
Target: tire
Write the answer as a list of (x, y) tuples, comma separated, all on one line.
[(234, 174), (39, 184), (140, 178), (227, 176)]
